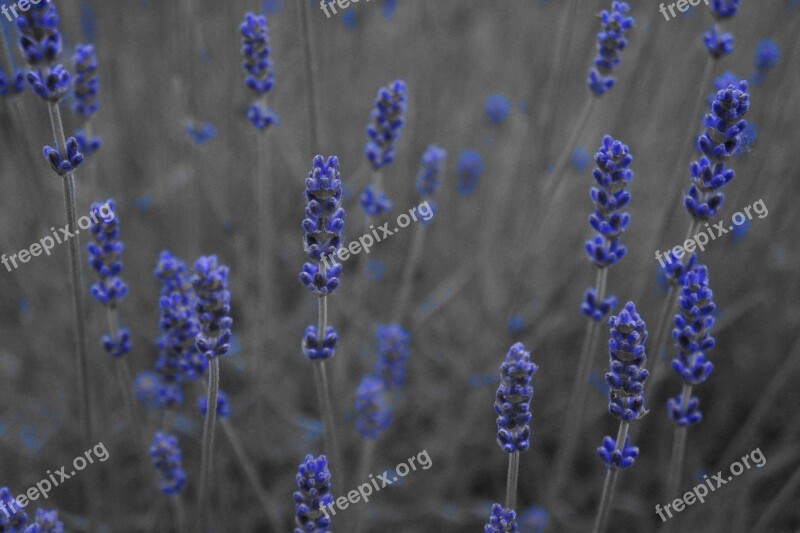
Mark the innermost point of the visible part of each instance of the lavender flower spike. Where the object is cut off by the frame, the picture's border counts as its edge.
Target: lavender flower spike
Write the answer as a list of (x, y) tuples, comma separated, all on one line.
[(313, 495), (323, 225), (213, 306), (513, 400), (372, 411), (610, 42), (387, 124), (501, 520), (258, 68), (167, 459), (721, 139)]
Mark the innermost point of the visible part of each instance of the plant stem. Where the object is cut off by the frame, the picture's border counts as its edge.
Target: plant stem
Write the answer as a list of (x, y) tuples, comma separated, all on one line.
[(252, 476), (312, 71), (678, 448), (75, 278), (576, 407), (324, 396), (123, 374), (610, 484), (511, 482), (208, 439), (408, 272), (363, 472), (561, 162)]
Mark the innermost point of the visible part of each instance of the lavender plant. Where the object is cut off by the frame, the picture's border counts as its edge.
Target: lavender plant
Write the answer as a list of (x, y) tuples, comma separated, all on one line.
[(722, 137), (469, 169), (314, 493), (626, 377), (431, 167), (385, 127), (260, 76), (105, 258), (40, 42), (692, 343), (12, 517), (86, 89), (513, 408), (168, 461), (323, 225), (501, 520), (213, 308), (612, 175), (392, 350), (178, 355), (611, 41)]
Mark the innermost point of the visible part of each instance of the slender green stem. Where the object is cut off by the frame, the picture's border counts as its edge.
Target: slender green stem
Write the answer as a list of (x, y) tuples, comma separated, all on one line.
[(208, 440), (610, 484), (252, 476), (576, 407), (75, 279), (511, 481)]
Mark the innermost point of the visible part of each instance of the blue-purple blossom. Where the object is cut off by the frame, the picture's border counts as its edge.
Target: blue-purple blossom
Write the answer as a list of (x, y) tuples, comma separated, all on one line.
[(63, 163), (431, 166), (105, 254), (257, 65), (501, 520), (86, 83), (314, 491), (513, 400), (392, 351), (212, 306), (13, 84), (721, 139), (167, 459), (386, 125), (617, 458), (323, 225), (626, 375), (13, 518), (613, 174), (374, 202), (496, 108), (314, 349), (371, 410), (469, 168), (719, 44), (223, 404), (611, 42)]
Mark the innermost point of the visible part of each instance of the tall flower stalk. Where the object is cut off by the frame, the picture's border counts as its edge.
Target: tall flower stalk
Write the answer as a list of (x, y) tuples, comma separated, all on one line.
[(625, 378), (385, 127), (260, 78), (513, 408), (692, 343), (86, 89), (105, 258), (323, 225), (724, 125), (213, 308), (612, 175), (41, 44), (373, 414), (611, 41), (431, 167)]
